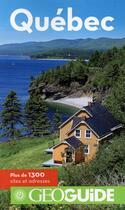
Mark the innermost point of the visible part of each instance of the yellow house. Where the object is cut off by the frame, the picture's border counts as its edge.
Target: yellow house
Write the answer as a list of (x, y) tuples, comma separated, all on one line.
[(82, 133)]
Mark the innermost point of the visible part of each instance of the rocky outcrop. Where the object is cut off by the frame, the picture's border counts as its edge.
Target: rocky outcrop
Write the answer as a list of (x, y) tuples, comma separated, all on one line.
[(50, 91), (56, 92)]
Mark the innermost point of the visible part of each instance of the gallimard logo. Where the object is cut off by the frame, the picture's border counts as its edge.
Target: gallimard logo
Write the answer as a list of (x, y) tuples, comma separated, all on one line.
[(68, 195), (59, 23)]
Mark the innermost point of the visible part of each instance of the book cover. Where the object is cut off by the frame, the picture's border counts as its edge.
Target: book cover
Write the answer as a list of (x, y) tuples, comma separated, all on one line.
[(62, 105)]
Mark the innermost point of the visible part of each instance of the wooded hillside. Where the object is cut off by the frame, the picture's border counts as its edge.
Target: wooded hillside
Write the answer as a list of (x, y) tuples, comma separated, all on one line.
[(103, 76)]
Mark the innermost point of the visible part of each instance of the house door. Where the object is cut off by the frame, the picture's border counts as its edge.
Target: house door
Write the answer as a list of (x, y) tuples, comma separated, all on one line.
[(69, 156)]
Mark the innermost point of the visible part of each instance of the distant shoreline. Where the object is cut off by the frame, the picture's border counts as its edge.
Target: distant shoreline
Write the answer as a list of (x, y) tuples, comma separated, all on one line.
[(54, 59), (30, 58)]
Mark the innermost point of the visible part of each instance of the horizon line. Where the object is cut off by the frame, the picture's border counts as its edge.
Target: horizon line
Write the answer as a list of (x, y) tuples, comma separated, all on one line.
[(50, 40)]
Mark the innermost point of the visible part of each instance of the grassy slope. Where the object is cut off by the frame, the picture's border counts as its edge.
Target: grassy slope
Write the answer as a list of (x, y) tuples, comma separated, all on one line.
[(25, 153)]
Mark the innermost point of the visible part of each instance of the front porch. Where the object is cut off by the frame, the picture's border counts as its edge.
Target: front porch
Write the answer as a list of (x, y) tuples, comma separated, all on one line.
[(70, 151)]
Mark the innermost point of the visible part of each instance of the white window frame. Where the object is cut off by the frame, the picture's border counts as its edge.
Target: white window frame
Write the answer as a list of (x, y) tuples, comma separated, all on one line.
[(90, 134), (88, 150), (79, 135)]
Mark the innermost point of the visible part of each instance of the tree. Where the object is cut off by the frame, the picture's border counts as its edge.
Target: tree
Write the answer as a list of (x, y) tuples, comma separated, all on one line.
[(36, 119), (95, 59), (115, 101), (57, 120), (11, 116)]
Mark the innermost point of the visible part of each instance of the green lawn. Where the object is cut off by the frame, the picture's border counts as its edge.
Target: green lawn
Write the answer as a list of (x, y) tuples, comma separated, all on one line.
[(25, 153)]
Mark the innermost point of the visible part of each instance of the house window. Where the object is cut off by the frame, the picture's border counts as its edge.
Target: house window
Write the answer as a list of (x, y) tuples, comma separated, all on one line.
[(86, 149), (88, 134), (78, 133)]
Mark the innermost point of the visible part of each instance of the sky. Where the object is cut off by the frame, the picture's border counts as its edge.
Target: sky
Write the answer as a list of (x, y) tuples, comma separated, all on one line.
[(41, 8)]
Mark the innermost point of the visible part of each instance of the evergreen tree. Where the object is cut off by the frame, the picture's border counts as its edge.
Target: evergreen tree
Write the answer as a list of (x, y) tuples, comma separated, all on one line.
[(95, 59), (36, 119), (57, 120), (11, 116)]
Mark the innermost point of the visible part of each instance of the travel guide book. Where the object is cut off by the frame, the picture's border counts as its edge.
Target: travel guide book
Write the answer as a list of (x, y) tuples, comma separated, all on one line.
[(62, 105)]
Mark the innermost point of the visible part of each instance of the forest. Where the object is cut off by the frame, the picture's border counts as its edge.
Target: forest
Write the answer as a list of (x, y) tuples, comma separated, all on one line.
[(103, 76)]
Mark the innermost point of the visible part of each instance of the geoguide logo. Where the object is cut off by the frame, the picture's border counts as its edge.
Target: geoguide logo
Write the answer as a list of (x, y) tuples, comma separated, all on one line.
[(68, 195)]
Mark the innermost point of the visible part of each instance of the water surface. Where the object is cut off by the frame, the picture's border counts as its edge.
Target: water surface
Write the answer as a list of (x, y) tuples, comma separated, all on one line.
[(15, 74)]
